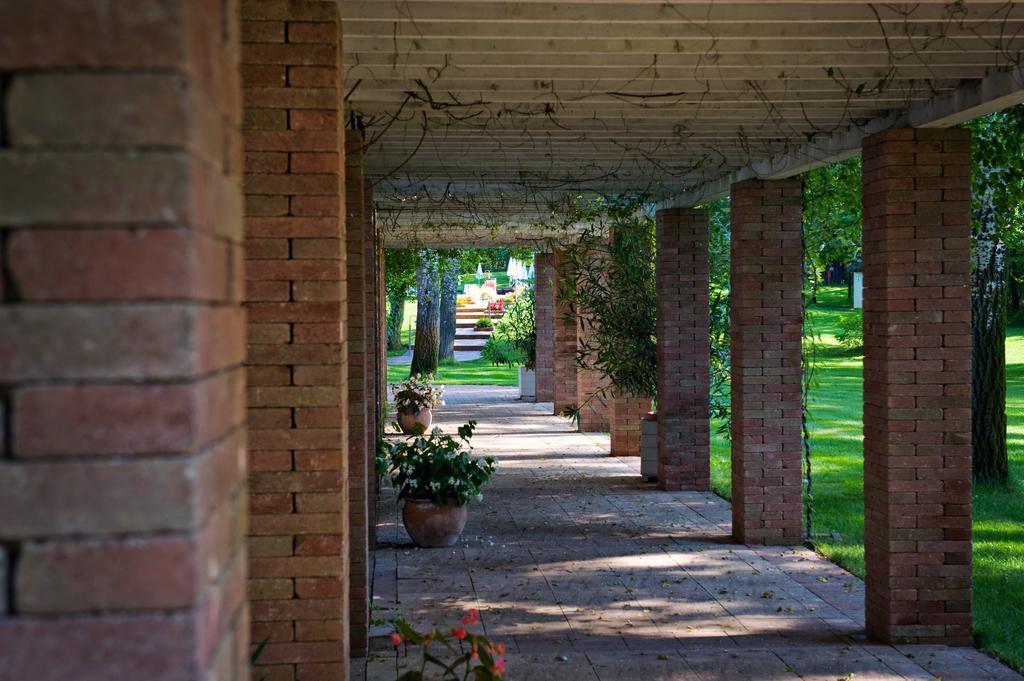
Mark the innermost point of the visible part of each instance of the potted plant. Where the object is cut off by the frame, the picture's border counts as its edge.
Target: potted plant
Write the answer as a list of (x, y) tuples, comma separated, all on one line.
[(519, 329), (414, 399), (436, 475)]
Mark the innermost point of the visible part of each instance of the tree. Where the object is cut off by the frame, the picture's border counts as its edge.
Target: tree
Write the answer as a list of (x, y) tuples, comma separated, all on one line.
[(997, 147), (832, 219), (617, 298), (428, 321), (449, 269), (719, 239), (399, 281)]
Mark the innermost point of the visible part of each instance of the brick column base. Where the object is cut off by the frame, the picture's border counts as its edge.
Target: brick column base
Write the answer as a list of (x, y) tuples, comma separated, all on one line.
[(626, 412), (684, 361), (917, 385), (766, 327)]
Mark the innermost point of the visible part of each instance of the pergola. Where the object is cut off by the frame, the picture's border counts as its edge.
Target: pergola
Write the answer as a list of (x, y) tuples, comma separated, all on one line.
[(195, 200)]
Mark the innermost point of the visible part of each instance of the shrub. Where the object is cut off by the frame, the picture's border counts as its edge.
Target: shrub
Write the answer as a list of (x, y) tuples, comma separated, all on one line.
[(500, 352), (519, 328), (851, 331), (484, 323)]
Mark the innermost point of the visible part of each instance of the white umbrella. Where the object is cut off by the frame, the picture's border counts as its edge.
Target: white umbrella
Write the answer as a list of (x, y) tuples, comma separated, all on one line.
[(530, 272), (479, 272)]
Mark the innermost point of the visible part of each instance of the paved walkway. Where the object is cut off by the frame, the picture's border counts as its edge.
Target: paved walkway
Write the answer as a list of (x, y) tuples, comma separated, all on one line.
[(460, 356), (585, 572)]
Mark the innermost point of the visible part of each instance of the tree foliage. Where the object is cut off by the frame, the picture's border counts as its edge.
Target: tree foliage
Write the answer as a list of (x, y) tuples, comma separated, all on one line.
[(832, 227), (399, 283), (613, 290), (719, 241)]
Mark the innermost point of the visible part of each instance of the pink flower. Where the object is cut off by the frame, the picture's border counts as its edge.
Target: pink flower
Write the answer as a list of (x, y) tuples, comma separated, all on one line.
[(472, 617), (396, 639), (500, 649), (459, 633), (499, 667)]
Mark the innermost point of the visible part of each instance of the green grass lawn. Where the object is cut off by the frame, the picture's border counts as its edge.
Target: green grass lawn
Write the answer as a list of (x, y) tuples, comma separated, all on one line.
[(473, 372), (836, 400)]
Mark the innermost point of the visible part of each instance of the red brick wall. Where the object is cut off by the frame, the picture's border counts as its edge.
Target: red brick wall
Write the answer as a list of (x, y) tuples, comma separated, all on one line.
[(121, 341), (544, 304), (295, 272), (917, 385), (684, 362), (625, 412), (565, 344), (361, 429), (766, 321)]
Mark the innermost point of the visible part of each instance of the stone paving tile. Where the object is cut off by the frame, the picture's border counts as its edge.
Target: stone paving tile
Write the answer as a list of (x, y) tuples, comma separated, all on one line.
[(586, 572)]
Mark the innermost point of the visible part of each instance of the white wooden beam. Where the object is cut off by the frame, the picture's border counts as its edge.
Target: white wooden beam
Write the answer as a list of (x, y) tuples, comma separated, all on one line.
[(994, 92)]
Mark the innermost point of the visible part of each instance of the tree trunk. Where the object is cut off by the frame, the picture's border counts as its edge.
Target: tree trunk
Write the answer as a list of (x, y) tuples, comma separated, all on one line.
[(396, 315), (988, 319), (428, 322), (1015, 296), (449, 290)]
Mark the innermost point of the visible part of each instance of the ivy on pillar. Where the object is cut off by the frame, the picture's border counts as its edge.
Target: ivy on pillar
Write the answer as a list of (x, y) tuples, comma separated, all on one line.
[(917, 385), (684, 351), (766, 306)]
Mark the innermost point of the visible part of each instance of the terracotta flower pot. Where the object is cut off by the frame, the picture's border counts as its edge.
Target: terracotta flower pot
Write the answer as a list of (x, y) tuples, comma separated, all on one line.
[(407, 420), (433, 525)]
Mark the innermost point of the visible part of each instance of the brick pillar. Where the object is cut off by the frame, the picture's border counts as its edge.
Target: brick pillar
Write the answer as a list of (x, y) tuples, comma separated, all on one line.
[(296, 371), (122, 463), (766, 327), (595, 406), (360, 385), (544, 305), (564, 343), (917, 385), (684, 361), (625, 413)]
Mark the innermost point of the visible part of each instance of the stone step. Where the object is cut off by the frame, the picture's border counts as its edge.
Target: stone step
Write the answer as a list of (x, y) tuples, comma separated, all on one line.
[(474, 344)]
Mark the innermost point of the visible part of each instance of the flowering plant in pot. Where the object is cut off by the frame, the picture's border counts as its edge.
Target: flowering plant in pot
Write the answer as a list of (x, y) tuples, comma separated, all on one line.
[(414, 399), (458, 653), (437, 475)]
